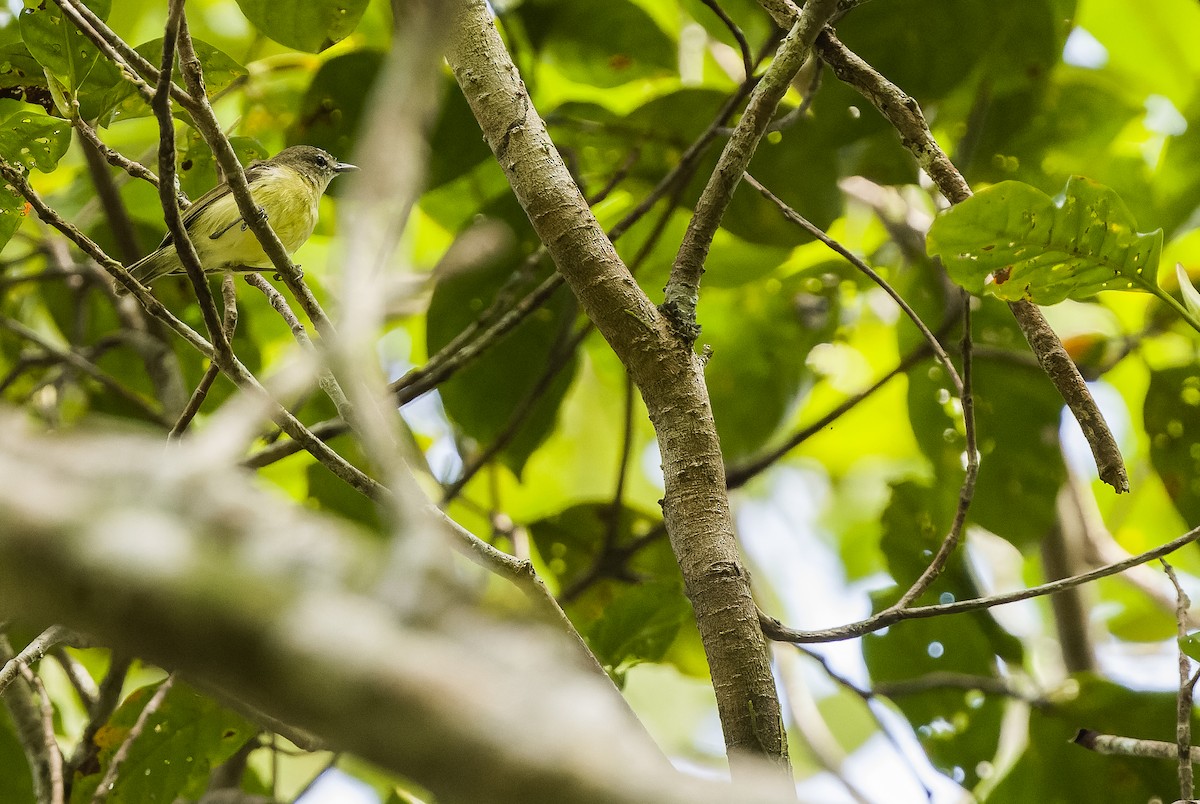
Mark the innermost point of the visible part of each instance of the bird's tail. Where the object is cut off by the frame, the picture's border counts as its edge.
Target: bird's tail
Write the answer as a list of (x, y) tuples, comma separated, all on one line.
[(151, 267)]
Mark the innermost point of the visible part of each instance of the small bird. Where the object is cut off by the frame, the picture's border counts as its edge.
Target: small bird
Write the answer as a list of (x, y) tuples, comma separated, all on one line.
[(287, 188)]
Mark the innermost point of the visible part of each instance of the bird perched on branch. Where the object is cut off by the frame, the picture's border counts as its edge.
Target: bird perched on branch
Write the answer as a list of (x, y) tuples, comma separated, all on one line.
[(287, 189)]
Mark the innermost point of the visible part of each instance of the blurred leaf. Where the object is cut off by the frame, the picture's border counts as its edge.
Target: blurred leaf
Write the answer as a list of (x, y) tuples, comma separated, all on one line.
[(34, 140), (483, 398), (800, 167), (915, 522), (1053, 770), (458, 144), (604, 43), (1172, 421), (332, 107), (1015, 242), (885, 35), (56, 43), (181, 743), (308, 25), (1190, 646), (16, 779)]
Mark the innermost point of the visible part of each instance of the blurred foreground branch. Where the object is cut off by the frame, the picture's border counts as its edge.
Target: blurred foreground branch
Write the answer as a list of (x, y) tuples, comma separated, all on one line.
[(174, 557)]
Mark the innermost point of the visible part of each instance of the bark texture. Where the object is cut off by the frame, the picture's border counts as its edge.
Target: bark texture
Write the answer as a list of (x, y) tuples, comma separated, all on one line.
[(668, 374)]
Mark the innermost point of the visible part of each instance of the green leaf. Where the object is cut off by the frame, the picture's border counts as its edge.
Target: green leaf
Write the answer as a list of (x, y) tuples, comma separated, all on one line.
[(1015, 242), (761, 341), (34, 140), (1053, 770), (173, 755), (220, 71), (309, 25), (56, 43), (1190, 645), (1172, 420), (638, 625)]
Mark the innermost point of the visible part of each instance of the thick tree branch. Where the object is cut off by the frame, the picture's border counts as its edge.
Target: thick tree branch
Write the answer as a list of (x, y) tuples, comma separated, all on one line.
[(683, 286), (166, 549), (667, 372)]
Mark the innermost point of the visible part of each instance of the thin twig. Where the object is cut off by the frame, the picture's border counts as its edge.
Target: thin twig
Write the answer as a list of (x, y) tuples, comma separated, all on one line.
[(31, 654), (904, 113), (773, 629), (77, 361), (77, 674), (1115, 745), (107, 698), (1187, 686), (738, 475), (736, 32), (228, 326), (118, 160), (53, 752), (966, 491)]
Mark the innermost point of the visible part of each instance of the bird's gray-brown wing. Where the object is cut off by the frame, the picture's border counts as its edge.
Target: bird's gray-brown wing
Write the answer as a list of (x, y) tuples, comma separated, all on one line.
[(254, 171)]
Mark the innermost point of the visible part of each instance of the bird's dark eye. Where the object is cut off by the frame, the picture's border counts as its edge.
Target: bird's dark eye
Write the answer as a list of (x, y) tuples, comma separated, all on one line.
[(322, 161)]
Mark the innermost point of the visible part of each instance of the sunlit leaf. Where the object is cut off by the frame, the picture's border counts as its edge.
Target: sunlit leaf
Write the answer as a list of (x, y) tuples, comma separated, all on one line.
[(1014, 241)]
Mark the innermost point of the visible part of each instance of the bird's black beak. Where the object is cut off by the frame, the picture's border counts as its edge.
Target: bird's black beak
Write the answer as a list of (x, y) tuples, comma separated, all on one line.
[(344, 167)]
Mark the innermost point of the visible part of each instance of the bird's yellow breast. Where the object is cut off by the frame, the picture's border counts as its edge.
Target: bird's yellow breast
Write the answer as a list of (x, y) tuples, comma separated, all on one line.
[(291, 206)]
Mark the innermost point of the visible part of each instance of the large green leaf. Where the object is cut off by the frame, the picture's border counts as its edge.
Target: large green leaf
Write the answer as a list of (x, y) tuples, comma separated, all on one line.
[(309, 25), (1172, 420), (1014, 241), (34, 140), (638, 625), (56, 43), (220, 71), (173, 755)]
